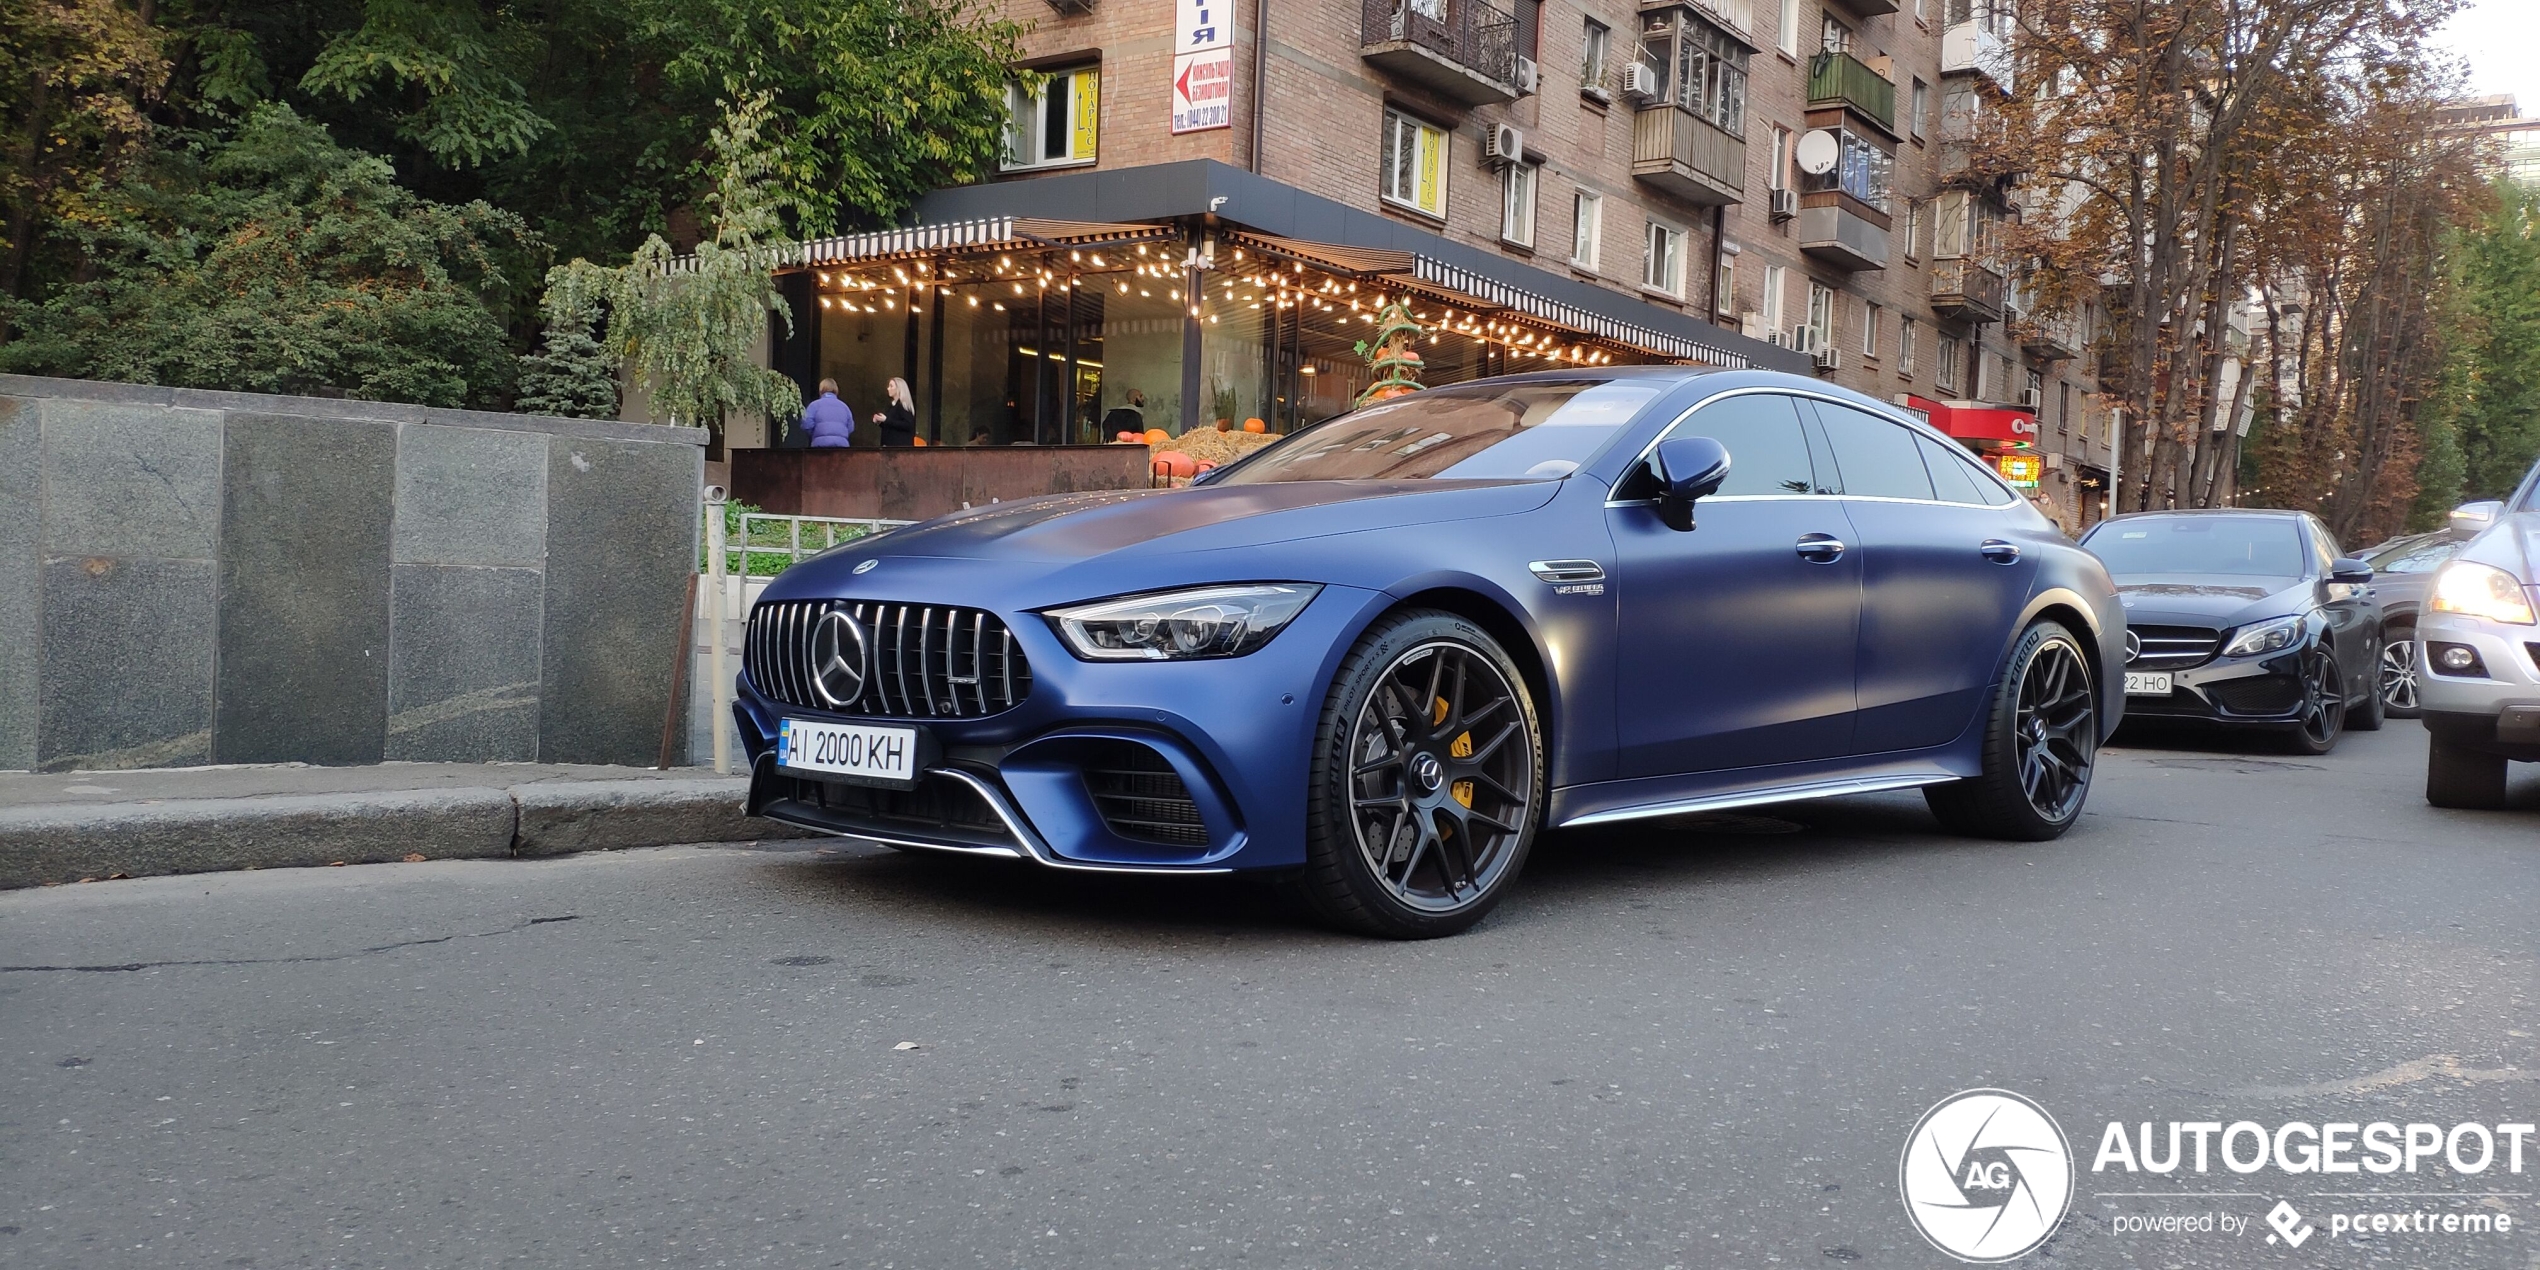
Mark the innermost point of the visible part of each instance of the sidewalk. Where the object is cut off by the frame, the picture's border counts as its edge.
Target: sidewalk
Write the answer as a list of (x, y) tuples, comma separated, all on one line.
[(78, 826)]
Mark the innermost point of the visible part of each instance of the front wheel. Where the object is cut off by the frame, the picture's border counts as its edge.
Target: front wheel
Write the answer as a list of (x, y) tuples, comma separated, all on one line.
[(2041, 739), (1427, 786), (2323, 706)]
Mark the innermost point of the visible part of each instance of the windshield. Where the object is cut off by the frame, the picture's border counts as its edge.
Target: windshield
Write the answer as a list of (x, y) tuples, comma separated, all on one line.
[(2422, 554), (2242, 546), (1538, 430)]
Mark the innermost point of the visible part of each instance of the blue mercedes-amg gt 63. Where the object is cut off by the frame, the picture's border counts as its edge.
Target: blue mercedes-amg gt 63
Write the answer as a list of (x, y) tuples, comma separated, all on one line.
[(1382, 655)]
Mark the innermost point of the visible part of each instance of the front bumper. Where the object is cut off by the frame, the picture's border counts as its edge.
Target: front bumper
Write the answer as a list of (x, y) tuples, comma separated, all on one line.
[(1134, 767), (2238, 691), (2495, 707)]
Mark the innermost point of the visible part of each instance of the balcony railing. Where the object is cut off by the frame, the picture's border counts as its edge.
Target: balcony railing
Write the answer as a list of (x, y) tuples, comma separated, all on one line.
[(1968, 291), (1688, 156), (1840, 79), (1465, 50), (1971, 48)]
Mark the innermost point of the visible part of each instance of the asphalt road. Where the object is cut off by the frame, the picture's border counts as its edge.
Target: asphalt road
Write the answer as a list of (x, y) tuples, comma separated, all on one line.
[(1699, 1043)]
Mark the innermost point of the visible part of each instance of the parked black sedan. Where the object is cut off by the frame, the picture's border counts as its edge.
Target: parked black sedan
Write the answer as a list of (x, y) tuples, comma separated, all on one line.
[(2245, 618)]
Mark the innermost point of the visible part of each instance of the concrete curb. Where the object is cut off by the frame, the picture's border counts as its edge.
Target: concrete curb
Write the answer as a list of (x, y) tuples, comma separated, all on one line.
[(70, 843)]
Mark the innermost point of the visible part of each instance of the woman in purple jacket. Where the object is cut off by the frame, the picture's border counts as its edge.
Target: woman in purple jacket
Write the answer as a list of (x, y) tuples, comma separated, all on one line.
[(829, 421)]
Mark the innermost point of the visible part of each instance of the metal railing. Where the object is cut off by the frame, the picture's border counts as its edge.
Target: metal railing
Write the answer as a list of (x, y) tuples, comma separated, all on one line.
[(1469, 33), (768, 543)]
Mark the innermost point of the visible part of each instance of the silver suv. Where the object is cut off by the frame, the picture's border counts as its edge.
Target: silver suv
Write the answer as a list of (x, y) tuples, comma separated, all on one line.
[(2478, 653)]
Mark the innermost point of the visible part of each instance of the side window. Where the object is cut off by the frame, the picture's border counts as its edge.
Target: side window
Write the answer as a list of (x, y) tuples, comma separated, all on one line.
[(1767, 453), (1950, 480), (2323, 545), (1879, 459)]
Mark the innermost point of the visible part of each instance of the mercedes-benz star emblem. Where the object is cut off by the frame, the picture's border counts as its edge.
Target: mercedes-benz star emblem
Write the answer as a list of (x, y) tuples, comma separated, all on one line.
[(1430, 772), (2133, 647), (838, 658), (864, 566)]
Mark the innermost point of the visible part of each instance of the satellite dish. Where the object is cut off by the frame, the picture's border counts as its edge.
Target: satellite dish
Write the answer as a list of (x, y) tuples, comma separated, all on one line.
[(1819, 152)]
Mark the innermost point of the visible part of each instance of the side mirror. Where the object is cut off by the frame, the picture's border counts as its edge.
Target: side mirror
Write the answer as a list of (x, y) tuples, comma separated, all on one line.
[(2471, 519), (2350, 570), (1687, 468)]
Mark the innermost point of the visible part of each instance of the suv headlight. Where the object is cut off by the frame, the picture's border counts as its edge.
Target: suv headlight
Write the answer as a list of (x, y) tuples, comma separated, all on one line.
[(2265, 637), (2480, 590), (1211, 621)]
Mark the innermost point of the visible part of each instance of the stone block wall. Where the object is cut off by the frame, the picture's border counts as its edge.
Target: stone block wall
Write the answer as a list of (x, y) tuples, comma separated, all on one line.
[(193, 577)]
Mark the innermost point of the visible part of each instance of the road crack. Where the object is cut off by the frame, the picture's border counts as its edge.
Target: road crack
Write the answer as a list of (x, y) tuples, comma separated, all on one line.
[(123, 967)]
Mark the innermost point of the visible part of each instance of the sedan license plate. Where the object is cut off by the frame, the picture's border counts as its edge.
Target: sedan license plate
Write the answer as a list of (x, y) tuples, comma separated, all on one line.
[(855, 751), (2142, 684)]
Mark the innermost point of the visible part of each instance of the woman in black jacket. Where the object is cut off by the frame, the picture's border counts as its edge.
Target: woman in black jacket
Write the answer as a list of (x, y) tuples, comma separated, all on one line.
[(898, 418)]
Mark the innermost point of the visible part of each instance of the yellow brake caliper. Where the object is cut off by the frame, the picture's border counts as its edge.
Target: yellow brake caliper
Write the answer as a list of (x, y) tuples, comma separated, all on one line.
[(1462, 748)]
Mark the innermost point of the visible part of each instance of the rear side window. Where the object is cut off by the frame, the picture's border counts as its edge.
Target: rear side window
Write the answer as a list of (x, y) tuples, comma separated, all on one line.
[(1951, 468), (1768, 454), (1878, 459)]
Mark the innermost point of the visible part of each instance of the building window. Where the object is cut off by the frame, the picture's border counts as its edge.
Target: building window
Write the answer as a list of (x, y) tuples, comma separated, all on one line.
[(1964, 225), (1913, 230), (1864, 169), (1587, 229), (1724, 282), (1820, 315), (1779, 176), (1922, 106), (2064, 406), (1946, 373), (1772, 311), (1835, 36), (1414, 159), (1711, 76), (1599, 42), (1662, 264), (1869, 330), (1907, 334), (1790, 28), (1517, 205), (1054, 125)]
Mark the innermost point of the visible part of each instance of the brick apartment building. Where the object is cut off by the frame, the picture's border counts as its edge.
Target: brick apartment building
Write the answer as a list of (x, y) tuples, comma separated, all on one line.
[(1773, 183)]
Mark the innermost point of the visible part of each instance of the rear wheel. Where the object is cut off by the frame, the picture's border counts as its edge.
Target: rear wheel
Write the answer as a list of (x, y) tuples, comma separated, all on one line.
[(2399, 672), (2323, 706), (2040, 742), (2459, 777), (1428, 781)]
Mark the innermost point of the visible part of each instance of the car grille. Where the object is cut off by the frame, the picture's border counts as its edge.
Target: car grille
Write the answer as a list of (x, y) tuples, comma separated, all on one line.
[(2265, 694), (1142, 798), (925, 660), (2174, 647)]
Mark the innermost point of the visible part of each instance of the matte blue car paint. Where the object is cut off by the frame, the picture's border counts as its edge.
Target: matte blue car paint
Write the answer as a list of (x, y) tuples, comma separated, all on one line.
[(1742, 698)]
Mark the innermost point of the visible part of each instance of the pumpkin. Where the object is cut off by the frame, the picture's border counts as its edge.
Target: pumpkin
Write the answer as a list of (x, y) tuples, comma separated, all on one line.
[(1255, 425), (1158, 436), (1176, 463)]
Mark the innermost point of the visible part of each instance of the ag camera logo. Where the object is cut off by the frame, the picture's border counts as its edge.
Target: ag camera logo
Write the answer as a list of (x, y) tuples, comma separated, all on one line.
[(1987, 1176)]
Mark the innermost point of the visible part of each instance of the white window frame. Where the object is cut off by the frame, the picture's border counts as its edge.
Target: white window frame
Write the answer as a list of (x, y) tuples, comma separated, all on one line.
[(1945, 374), (1517, 204), (1078, 92), (1595, 56), (1662, 255), (1870, 312), (1922, 108), (1779, 177), (1427, 138), (1789, 36), (1914, 229), (1774, 283), (1724, 282), (1587, 228), (1907, 336)]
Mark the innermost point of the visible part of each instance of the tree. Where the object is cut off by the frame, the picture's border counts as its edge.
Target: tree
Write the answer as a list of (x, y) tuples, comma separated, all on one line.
[(279, 261), (690, 325), (2495, 402), (75, 78), (1391, 355), (571, 375)]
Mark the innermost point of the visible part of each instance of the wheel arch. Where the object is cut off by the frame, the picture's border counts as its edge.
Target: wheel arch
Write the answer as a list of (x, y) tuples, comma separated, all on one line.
[(2075, 613), (1514, 637)]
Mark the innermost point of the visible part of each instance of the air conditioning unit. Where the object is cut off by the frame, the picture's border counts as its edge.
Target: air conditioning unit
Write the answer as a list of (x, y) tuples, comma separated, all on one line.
[(1785, 204), (1529, 77), (1778, 339), (1803, 338), (2033, 398), (1503, 144), (1640, 80), (1073, 6), (1828, 357)]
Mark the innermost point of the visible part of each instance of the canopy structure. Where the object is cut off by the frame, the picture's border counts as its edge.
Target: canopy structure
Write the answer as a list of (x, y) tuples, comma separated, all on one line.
[(1986, 425)]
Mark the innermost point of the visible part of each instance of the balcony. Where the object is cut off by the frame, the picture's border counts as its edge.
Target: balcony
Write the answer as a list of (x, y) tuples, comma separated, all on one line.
[(1839, 230), (1970, 48), (1462, 50), (1683, 154), (1737, 16), (1840, 79), (1867, 8), (2048, 339), (1966, 291)]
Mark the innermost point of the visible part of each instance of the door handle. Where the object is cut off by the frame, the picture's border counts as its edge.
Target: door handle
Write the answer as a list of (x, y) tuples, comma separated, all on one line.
[(1998, 551), (1820, 548)]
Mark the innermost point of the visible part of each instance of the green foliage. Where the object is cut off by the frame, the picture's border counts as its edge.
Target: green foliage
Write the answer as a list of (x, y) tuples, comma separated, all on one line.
[(689, 326), (445, 52), (571, 375), (2494, 394), (280, 261)]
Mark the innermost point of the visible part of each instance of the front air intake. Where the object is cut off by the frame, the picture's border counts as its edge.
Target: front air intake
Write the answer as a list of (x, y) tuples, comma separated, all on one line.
[(1141, 797)]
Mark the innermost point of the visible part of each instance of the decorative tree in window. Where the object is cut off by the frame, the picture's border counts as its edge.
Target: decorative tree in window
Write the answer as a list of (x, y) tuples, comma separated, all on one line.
[(1396, 363)]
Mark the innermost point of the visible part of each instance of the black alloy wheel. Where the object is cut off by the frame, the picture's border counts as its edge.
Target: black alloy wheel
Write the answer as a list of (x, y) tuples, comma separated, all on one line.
[(2041, 745), (2399, 673), (2323, 705), (1428, 782)]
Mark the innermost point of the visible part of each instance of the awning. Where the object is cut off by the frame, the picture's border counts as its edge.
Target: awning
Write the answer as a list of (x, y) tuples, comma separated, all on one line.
[(985, 234), (1984, 422)]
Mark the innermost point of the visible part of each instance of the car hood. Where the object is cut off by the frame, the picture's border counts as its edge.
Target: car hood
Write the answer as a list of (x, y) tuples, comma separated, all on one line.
[(2218, 600), (1065, 528)]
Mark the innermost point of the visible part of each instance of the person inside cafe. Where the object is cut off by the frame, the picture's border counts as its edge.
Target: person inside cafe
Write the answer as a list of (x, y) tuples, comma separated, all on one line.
[(829, 421)]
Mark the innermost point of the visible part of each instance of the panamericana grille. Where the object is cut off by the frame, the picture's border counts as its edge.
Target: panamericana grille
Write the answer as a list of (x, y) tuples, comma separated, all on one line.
[(1142, 798), (925, 660), (2174, 647)]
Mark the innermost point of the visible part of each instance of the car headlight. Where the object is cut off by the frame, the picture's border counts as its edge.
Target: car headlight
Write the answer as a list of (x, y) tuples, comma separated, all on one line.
[(1211, 621), (2265, 637), (2480, 590)]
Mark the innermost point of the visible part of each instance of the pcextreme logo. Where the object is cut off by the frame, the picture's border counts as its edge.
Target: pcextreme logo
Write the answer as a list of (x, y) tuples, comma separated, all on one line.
[(1987, 1176)]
